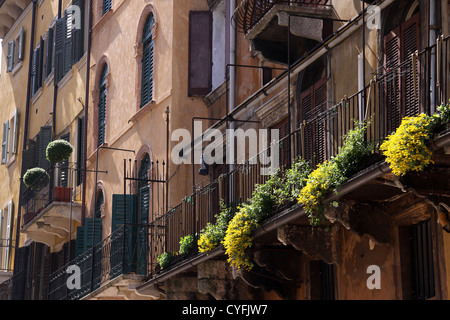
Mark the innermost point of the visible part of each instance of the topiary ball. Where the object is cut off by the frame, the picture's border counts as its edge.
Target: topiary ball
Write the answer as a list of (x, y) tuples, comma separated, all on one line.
[(58, 151), (36, 178)]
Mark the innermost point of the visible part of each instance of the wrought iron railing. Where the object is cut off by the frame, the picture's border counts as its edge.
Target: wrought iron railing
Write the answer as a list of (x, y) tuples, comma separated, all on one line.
[(98, 265), (249, 12), (56, 185), (7, 247), (366, 105)]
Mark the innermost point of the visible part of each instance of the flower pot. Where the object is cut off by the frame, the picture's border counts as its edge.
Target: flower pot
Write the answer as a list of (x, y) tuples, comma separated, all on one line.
[(62, 194)]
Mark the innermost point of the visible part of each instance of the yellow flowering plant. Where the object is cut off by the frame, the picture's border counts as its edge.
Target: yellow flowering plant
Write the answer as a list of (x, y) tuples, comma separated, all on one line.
[(238, 237), (406, 149)]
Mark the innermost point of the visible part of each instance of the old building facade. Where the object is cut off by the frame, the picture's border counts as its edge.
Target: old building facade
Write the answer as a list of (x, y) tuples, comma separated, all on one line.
[(119, 79)]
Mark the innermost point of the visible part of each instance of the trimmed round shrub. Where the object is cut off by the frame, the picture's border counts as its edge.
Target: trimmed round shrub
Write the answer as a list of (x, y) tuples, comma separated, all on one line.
[(36, 178), (58, 151)]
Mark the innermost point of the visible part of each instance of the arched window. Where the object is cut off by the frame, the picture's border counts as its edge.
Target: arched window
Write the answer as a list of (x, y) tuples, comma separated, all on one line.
[(102, 107), (147, 61), (98, 205)]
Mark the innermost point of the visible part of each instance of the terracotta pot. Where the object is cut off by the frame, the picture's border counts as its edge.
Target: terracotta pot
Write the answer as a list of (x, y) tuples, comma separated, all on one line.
[(62, 194)]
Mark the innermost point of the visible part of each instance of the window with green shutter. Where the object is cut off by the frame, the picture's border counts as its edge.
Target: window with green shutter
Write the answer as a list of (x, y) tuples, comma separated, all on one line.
[(147, 61), (5, 142), (102, 107), (89, 235)]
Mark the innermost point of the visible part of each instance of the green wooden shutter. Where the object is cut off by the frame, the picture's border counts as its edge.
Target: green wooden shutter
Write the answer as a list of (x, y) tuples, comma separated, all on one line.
[(10, 56), (67, 42), (21, 54), (45, 137), (49, 53), (102, 107), (124, 206), (40, 68), (5, 142), (80, 244), (144, 208), (78, 34), (34, 76), (15, 132), (60, 27), (147, 62)]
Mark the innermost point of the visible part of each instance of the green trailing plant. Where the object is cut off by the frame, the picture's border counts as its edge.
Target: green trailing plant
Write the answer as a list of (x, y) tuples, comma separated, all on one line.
[(355, 148), (165, 259), (58, 151), (295, 179), (36, 179), (331, 174), (186, 244), (213, 234)]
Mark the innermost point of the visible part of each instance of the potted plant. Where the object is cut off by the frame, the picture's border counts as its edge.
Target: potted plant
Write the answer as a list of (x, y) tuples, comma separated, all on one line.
[(57, 152), (36, 179)]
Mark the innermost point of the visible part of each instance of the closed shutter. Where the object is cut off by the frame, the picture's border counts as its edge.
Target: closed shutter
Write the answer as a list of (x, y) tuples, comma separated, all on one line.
[(60, 27), (410, 43), (21, 53), (40, 68), (423, 282), (8, 235), (320, 99), (68, 18), (80, 243), (15, 132), (283, 130), (88, 235), (200, 53), (49, 52), (124, 209), (5, 142), (10, 56), (392, 81), (78, 34), (144, 208), (306, 113), (147, 62), (34, 76), (45, 137), (102, 107), (311, 112)]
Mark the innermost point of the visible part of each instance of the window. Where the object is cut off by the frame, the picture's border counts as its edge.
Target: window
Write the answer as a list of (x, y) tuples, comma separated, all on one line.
[(102, 107), (147, 61), (6, 230), (400, 97), (16, 49), (49, 52), (322, 280), (69, 40), (200, 55), (284, 152), (10, 138), (37, 67), (416, 244), (106, 6)]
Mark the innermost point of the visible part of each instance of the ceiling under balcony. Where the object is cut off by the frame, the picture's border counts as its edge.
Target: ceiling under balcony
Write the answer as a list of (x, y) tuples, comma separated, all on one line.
[(10, 11), (265, 24)]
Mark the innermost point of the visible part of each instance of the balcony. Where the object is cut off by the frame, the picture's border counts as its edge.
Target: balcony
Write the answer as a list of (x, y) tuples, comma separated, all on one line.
[(265, 25), (52, 214), (6, 264)]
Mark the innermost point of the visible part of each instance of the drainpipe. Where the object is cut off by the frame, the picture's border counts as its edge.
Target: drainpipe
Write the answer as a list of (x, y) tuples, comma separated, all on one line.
[(55, 84), (432, 8), (232, 90), (86, 113), (27, 110)]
